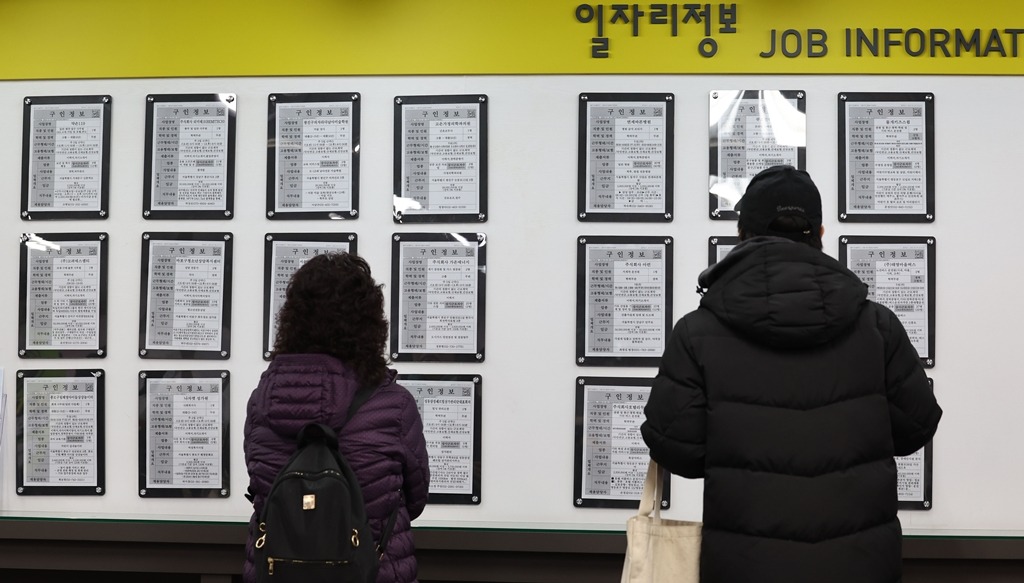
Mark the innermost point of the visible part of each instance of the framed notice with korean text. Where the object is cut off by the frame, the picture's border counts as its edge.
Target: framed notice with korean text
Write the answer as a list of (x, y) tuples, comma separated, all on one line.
[(450, 408), (900, 275), (313, 156), (623, 300), (750, 131), (437, 296), (610, 462), (625, 166), (190, 156), (283, 255), (887, 157), (185, 307), (440, 159), (60, 432), (914, 477), (183, 434), (62, 312), (719, 247), (65, 166)]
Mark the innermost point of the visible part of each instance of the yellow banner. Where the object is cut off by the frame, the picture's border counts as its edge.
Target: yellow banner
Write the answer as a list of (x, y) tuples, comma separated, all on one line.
[(67, 39)]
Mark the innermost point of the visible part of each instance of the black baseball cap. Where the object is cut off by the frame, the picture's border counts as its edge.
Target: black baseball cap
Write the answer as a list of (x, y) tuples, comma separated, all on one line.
[(775, 192)]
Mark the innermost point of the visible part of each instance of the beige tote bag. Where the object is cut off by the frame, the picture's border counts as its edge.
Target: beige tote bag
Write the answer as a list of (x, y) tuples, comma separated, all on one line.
[(660, 550)]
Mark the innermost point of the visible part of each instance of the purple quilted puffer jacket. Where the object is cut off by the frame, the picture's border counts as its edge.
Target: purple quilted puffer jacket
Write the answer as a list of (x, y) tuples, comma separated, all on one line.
[(383, 443)]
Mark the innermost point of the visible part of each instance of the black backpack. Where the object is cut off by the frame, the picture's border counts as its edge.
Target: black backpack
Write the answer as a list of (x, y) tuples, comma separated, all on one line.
[(313, 526)]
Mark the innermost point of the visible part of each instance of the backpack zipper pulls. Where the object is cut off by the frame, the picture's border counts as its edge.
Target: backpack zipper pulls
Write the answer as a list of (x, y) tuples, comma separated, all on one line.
[(263, 538), (270, 565)]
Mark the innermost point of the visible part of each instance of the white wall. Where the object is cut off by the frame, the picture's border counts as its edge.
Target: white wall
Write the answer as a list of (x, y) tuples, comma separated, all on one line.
[(529, 372)]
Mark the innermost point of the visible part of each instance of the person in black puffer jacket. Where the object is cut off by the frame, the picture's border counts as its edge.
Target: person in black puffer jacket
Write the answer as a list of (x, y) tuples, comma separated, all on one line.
[(790, 392)]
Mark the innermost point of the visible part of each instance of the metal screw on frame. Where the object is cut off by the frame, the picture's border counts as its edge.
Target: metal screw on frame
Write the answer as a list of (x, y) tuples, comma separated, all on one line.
[(142, 352), (270, 213), (273, 98)]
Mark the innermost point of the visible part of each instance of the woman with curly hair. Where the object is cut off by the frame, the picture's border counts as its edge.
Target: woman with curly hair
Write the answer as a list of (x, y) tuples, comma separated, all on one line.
[(330, 343)]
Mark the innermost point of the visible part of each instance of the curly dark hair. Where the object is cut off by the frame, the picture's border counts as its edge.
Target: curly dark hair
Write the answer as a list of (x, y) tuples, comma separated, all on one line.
[(333, 306)]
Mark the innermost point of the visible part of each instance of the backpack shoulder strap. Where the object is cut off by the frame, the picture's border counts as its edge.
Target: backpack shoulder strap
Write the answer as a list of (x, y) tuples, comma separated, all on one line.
[(362, 395)]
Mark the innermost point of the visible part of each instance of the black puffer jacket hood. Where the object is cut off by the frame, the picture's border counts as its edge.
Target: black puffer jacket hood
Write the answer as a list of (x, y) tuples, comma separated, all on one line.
[(781, 293)]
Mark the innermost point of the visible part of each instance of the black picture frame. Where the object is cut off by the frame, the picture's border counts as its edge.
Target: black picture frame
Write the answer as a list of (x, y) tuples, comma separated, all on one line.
[(189, 241), (164, 146), (855, 163), (590, 355), (273, 280), (928, 243), (588, 177), (765, 104), (585, 440), (348, 104), (419, 166), (458, 385), (50, 242), (96, 377), (927, 461), (147, 451), (476, 243), (92, 105), (716, 245)]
